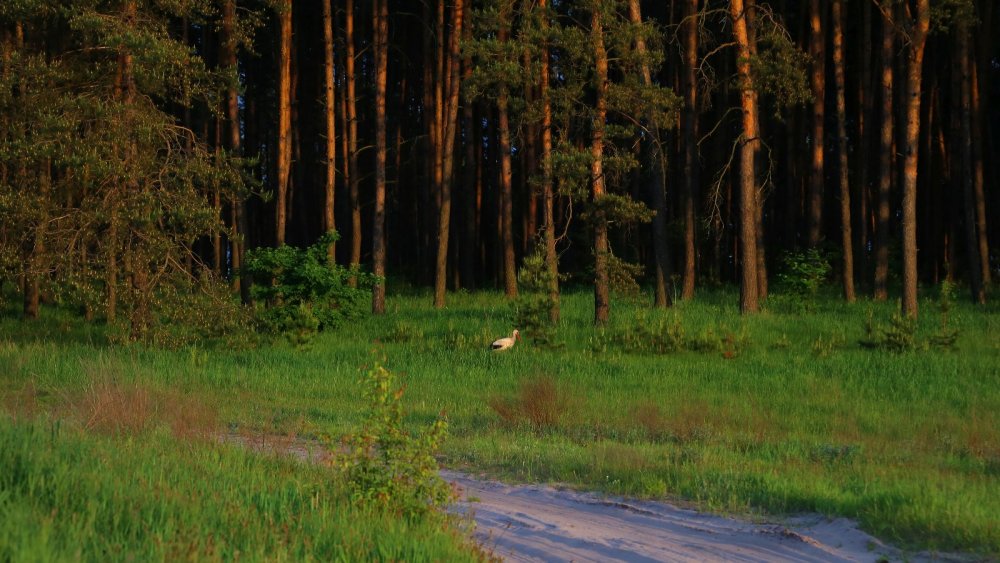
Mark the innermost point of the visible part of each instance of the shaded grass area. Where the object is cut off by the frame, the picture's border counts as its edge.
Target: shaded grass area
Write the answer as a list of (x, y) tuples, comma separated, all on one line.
[(783, 412), (66, 494)]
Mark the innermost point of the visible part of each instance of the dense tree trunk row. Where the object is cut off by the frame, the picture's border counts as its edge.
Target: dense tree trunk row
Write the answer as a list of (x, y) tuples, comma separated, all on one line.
[(457, 138)]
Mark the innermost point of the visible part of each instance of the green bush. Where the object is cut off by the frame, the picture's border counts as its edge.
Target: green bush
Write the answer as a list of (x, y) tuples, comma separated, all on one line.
[(802, 273), (302, 292), (385, 465)]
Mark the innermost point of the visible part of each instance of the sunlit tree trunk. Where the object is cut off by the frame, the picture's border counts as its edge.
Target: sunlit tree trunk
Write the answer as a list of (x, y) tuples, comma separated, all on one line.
[(882, 230), (846, 238), (506, 195), (239, 240), (747, 175), (915, 59), (284, 120), (381, 34), (352, 137), (602, 297), (329, 222)]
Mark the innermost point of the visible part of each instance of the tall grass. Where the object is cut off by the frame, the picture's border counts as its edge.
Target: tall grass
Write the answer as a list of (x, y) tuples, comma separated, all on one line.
[(782, 412), (65, 494)]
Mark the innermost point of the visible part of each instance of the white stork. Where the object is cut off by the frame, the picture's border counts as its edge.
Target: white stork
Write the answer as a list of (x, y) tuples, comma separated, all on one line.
[(506, 343)]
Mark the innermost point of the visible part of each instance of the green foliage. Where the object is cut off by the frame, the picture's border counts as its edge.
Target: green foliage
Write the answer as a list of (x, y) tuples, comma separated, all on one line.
[(897, 336), (946, 335), (303, 292), (71, 495), (388, 467), (534, 305), (659, 336), (803, 273)]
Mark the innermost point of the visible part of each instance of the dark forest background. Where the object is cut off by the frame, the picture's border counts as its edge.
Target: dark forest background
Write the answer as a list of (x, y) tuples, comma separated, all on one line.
[(148, 145)]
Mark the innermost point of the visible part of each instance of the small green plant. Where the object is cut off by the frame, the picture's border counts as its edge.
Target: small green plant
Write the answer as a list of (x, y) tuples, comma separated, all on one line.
[(801, 274), (660, 336), (946, 336), (385, 465), (302, 292), (897, 336), (534, 304)]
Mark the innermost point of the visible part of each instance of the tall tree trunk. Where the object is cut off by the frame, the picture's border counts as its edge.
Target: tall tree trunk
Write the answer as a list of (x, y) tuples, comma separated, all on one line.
[(450, 124), (468, 244), (506, 195), (977, 175), (915, 59), (964, 147), (239, 240), (602, 301), (817, 50), (846, 238), (329, 221), (748, 187), (381, 34), (865, 120), (883, 229), (656, 181), (352, 138), (548, 195), (284, 121), (36, 255), (690, 135)]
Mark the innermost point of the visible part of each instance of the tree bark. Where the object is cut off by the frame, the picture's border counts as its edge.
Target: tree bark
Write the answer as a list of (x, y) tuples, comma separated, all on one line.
[(846, 239), (978, 177), (915, 59), (239, 240), (506, 195), (690, 135), (548, 195), (450, 123), (882, 231), (602, 301), (818, 79), (284, 121), (329, 220), (656, 184), (748, 188), (381, 35), (352, 138), (964, 142)]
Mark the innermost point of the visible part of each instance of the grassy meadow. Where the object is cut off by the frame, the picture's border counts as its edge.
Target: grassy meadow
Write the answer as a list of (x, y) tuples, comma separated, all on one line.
[(779, 413)]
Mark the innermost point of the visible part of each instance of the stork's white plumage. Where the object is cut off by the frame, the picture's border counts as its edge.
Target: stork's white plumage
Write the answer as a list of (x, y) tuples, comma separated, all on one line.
[(506, 343)]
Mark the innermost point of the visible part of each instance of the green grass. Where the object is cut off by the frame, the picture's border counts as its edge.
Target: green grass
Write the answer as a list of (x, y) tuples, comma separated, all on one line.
[(790, 415), (66, 495)]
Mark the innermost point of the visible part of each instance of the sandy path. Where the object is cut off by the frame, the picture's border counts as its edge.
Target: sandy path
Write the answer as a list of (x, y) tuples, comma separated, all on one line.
[(541, 523)]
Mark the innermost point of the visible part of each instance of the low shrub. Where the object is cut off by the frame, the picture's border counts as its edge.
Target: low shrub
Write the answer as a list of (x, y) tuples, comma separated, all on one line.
[(387, 466), (539, 403), (302, 292)]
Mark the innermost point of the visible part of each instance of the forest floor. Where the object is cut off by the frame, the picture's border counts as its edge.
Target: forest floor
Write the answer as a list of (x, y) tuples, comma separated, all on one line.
[(783, 413)]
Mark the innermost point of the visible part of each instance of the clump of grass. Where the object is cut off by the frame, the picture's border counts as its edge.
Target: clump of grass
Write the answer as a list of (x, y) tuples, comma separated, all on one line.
[(112, 407), (539, 403)]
